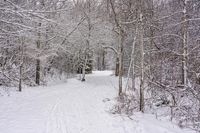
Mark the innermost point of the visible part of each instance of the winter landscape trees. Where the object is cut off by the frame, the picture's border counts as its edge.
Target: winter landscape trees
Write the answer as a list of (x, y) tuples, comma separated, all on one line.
[(152, 45)]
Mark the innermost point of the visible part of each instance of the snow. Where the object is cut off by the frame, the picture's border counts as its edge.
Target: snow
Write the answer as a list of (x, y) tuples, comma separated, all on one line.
[(74, 107)]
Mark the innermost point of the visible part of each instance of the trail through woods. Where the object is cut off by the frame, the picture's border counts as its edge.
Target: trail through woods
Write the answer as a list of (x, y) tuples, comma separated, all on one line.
[(74, 107)]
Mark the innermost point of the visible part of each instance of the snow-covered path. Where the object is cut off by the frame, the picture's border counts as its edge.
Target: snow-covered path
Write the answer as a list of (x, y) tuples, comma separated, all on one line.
[(73, 107)]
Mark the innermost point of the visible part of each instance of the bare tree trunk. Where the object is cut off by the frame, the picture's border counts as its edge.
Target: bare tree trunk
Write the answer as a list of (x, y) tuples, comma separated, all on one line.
[(20, 78), (21, 65), (185, 50), (151, 42), (117, 66), (133, 60), (37, 77), (120, 47), (131, 69), (103, 60), (37, 80), (84, 68), (141, 44), (87, 41), (98, 62), (120, 53)]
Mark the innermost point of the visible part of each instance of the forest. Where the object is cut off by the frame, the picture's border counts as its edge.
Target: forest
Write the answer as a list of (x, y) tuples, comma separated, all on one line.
[(151, 46)]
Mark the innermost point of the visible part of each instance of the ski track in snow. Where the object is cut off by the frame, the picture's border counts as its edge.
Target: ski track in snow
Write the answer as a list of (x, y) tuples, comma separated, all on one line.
[(73, 107)]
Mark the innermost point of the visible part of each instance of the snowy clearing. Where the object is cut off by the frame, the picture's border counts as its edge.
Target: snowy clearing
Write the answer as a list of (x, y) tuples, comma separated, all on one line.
[(74, 107)]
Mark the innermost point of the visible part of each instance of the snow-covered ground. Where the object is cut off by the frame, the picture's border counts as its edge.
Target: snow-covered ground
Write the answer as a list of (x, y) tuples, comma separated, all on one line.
[(74, 107)]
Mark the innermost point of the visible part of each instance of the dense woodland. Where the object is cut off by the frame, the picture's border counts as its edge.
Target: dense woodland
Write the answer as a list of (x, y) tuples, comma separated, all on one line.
[(153, 44)]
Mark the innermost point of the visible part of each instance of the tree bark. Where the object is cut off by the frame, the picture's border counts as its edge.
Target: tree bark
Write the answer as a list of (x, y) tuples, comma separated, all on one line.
[(87, 41), (120, 47), (37, 77), (103, 60), (141, 44), (117, 67), (84, 66), (21, 65), (185, 45), (120, 52)]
